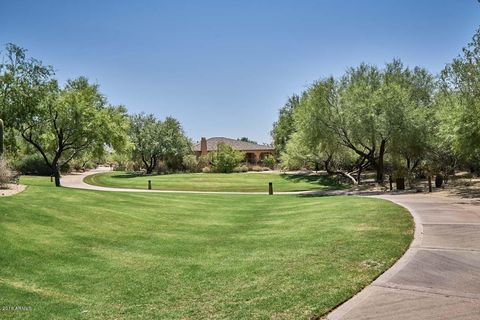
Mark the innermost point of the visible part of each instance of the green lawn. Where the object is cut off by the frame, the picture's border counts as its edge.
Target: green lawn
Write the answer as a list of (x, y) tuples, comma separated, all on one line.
[(242, 182), (78, 254)]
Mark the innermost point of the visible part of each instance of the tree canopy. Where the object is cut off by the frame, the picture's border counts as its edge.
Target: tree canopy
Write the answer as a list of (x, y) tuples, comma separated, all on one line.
[(154, 141)]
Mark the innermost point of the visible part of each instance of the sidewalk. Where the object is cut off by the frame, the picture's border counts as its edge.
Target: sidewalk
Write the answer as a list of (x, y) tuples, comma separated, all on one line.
[(438, 277)]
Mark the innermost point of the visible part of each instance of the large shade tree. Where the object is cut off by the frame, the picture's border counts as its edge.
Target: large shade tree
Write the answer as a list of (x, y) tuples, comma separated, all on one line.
[(368, 111), (459, 102), (284, 127), (155, 140), (24, 83), (58, 123), (72, 121)]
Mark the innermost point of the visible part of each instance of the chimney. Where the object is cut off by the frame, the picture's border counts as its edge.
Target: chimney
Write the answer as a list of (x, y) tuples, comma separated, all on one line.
[(203, 147)]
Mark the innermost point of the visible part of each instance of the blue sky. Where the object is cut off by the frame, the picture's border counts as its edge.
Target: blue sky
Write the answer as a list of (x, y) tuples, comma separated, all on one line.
[(223, 68)]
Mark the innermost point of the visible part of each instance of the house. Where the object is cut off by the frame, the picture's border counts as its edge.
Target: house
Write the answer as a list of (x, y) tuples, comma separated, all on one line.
[(253, 152)]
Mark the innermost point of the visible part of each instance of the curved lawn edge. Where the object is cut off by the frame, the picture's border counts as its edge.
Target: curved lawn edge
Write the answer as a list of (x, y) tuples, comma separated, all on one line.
[(211, 182), (341, 309)]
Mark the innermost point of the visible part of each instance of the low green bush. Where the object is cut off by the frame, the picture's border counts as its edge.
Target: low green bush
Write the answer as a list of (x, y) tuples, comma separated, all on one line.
[(269, 161), (33, 164)]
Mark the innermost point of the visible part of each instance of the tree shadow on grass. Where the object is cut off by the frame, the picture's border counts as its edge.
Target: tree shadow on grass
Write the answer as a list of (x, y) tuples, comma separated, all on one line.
[(320, 180), (126, 176)]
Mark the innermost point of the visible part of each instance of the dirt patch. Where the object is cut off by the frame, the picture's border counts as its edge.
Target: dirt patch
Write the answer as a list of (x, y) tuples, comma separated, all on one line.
[(12, 189)]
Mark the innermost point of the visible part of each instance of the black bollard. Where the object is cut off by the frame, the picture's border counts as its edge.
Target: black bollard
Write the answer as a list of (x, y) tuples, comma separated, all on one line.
[(270, 188), (149, 184)]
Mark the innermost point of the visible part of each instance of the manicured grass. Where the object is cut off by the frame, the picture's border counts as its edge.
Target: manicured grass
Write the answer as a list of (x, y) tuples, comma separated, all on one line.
[(77, 254), (241, 182)]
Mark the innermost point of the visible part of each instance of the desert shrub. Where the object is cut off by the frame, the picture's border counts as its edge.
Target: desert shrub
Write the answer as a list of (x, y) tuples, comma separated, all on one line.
[(6, 173), (190, 163), (242, 168), (65, 168), (119, 168), (161, 167), (77, 165), (269, 161), (226, 158), (255, 168), (33, 165), (203, 161), (90, 165), (265, 169), (206, 170)]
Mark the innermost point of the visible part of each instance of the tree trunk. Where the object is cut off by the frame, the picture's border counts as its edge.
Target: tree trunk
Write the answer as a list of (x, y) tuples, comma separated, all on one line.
[(56, 175), (338, 172), (380, 166)]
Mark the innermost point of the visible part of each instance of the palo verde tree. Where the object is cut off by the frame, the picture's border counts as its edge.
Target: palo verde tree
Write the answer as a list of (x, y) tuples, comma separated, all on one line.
[(459, 103), (24, 82), (145, 135), (154, 140), (174, 143), (367, 111), (284, 127), (71, 121)]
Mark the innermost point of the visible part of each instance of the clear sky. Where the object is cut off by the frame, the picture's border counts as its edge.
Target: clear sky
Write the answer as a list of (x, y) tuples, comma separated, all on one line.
[(223, 68)]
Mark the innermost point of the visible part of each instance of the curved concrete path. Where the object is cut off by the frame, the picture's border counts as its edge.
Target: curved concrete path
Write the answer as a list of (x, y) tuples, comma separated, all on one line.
[(75, 180), (438, 277)]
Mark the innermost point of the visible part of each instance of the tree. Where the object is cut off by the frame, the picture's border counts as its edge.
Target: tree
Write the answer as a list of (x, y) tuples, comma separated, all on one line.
[(156, 141), (226, 158), (284, 127), (368, 111), (245, 139), (174, 143), (459, 102), (71, 121), (24, 83), (145, 134)]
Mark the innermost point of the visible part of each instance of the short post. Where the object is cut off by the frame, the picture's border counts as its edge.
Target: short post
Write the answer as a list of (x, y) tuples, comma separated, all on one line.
[(429, 183), (270, 188), (149, 184)]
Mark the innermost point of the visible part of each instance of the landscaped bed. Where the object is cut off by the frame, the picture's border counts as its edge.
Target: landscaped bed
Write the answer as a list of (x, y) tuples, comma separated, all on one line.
[(240, 182), (78, 254)]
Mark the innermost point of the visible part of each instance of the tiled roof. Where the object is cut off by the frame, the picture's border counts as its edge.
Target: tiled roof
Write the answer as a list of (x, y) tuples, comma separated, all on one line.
[(236, 144)]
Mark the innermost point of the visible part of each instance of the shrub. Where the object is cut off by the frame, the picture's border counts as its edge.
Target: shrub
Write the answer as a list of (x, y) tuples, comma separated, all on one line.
[(242, 168), (226, 158), (203, 162), (90, 165), (255, 168), (206, 170), (265, 169), (269, 161), (6, 173), (161, 167), (190, 163), (65, 168), (32, 164)]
